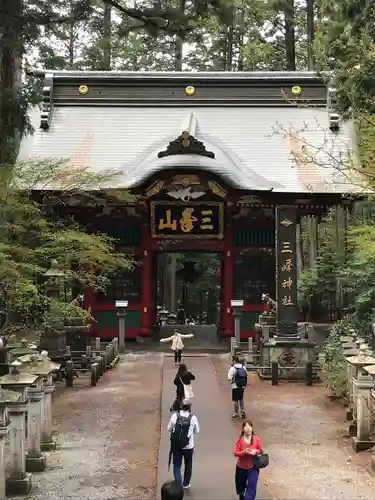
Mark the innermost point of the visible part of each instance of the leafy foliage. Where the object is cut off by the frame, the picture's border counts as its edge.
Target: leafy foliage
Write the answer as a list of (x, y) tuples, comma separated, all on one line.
[(320, 283), (334, 363), (203, 294), (30, 238)]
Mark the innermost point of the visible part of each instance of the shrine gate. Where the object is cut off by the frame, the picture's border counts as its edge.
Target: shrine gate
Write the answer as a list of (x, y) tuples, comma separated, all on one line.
[(208, 158)]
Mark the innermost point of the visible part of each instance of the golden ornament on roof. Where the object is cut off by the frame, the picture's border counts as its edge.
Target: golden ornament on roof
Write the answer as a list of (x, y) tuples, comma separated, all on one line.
[(296, 90), (190, 90), (83, 89)]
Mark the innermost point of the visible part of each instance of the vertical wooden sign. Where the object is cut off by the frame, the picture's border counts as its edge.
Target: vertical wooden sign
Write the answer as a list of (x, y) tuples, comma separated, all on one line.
[(286, 271)]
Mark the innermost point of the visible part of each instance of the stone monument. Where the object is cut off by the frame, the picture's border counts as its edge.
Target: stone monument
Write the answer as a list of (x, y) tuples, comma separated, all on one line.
[(292, 353)]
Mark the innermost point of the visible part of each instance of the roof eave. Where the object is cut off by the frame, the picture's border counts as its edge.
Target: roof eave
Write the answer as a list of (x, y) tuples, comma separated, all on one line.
[(268, 77)]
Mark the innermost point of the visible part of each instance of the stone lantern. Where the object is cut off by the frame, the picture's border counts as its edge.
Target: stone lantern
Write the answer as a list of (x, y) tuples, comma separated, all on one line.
[(237, 306), (18, 481), (23, 348), (362, 385), (35, 460), (6, 398), (54, 339), (41, 365)]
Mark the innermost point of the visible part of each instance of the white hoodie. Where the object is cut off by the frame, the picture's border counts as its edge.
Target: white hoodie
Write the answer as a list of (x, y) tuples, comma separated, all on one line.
[(232, 372)]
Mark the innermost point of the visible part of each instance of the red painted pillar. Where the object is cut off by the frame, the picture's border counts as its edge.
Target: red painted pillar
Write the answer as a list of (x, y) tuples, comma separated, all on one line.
[(227, 283), (147, 284)]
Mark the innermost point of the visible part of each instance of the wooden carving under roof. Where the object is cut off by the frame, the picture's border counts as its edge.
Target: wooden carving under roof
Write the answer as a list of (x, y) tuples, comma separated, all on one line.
[(188, 145), (185, 187)]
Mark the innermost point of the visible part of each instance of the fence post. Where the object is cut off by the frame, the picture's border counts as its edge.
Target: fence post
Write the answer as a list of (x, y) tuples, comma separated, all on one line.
[(309, 373), (94, 374), (97, 343), (69, 373), (275, 373)]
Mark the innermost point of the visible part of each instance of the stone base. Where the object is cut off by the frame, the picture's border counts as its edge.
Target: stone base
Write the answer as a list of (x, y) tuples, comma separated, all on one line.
[(18, 486), (292, 357), (35, 464), (55, 345), (48, 446), (360, 445), (353, 429)]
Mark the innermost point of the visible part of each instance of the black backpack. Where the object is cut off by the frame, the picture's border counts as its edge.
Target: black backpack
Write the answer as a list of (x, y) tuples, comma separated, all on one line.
[(240, 377), (180, 433)]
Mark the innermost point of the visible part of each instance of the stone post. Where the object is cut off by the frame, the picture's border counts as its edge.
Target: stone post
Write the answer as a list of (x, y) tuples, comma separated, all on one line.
[(371, 371), (266, 333), (35, 460), (19, 481), (6, 397), (121, 305), (362, 385), (115, 344), (349, 353), (237, 306), (46, 441), (42, 366)]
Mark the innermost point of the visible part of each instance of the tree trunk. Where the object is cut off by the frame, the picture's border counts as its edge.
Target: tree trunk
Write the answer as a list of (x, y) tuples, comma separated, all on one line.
[(290, 40), (72, 42), (241, 36), (230, 41), (310, 28), (107, 37), (11, 120), (178, 52)]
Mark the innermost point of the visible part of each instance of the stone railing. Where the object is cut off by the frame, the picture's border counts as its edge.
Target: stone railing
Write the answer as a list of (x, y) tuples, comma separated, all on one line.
[(26, 406), (25, 422), (360, 412)]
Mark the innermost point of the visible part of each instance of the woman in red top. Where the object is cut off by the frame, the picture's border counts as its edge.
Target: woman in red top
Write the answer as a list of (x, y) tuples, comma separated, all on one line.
[(247, 446)]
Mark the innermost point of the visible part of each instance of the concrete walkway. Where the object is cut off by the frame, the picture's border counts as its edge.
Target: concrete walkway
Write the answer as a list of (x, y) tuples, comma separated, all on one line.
[(214, 464)]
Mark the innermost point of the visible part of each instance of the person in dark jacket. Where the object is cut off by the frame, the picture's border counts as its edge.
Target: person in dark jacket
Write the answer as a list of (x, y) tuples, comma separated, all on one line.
[(181, 315), (183, 376), (172, 490)]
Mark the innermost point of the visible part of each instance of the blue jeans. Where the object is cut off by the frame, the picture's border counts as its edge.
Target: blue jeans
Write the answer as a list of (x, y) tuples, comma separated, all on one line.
[(246, 483), (187, 455)]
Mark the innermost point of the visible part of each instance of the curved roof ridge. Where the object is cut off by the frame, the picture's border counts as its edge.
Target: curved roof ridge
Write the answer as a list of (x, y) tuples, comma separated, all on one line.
[(227, 164)]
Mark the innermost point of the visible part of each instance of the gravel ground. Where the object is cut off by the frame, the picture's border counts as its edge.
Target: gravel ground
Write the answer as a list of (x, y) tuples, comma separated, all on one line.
[(304, 433), (108, 436)]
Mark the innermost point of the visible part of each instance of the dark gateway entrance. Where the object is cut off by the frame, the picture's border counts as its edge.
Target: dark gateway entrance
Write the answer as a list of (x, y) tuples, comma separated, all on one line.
[(210, 159)]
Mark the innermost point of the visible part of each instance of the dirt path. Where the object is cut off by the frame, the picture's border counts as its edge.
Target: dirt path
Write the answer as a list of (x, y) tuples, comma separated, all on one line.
[(303, 432), (108, 436)]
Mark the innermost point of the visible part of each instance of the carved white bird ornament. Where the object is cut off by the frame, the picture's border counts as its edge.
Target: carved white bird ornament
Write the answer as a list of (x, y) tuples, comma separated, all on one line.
[(186, 194)]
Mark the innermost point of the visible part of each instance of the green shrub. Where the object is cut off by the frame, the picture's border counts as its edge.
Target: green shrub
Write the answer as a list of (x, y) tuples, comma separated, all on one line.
[(334, 362)]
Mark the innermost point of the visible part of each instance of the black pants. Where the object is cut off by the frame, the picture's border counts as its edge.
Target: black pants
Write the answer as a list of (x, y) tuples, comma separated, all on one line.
[(177, 356), (187, 455), (240, 480)]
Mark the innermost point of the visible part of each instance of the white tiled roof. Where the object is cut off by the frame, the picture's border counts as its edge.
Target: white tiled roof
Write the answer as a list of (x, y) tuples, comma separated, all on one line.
[(255, 148)]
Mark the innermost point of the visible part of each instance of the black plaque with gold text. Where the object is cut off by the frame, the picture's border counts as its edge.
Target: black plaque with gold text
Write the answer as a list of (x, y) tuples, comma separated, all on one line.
[(286, 271), (187, 220)]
